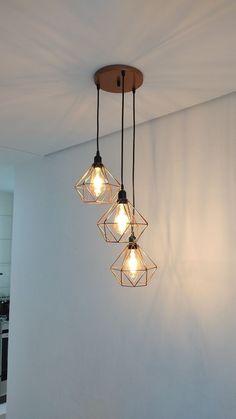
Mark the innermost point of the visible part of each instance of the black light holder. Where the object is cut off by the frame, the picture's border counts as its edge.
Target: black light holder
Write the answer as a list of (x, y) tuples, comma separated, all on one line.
[(97, 160), (122, 197), (132, 242)]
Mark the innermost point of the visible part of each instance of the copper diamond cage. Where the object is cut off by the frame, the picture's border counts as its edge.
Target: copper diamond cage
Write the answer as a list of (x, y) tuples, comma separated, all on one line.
[(133, 268), (120, 221), (100, 191)]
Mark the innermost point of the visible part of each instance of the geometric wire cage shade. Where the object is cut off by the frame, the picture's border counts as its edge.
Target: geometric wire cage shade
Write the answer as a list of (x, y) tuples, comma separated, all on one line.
[(120, 221), (133, 268), (97, 185)]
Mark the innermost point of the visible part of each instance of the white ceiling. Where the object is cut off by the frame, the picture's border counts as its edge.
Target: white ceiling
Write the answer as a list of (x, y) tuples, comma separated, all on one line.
[(50, 49)]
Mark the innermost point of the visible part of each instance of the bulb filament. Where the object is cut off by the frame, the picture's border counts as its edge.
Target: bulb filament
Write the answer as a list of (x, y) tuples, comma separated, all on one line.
[(121, 219)]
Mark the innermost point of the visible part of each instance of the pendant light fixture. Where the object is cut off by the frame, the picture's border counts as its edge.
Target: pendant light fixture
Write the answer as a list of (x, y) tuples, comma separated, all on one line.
[(122, 223), (122, 219), (133, 268), (97, 185)]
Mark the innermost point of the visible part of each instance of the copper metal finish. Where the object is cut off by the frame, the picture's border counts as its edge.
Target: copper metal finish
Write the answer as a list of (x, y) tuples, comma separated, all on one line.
[(109, 78), (140, 275), (107, 224), (109, 186)]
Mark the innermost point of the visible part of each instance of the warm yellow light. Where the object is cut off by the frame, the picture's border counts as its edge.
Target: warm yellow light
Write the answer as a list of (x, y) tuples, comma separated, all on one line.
[(121, 220), (98, 182), (132, 263)]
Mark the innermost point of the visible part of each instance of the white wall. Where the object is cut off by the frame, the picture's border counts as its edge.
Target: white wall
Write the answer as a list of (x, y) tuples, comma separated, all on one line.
[(6, 210), (81, 346), (7, 178)]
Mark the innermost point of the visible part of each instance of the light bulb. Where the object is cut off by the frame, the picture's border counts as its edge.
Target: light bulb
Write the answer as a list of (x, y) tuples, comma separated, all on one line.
[(121, 220), (98, 182), (132, 264)]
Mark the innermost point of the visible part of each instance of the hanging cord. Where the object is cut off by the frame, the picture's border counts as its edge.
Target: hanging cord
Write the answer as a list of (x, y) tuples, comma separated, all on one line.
[(122, 129), (98, 91), (133, 168)]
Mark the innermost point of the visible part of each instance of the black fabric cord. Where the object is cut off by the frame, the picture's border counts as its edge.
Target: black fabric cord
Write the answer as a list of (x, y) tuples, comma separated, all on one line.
[(133, 167), (122, 129), (98, 91)]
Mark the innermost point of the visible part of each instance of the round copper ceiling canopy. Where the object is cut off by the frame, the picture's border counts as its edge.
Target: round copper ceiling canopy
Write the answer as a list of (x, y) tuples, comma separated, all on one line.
[(109, 78)]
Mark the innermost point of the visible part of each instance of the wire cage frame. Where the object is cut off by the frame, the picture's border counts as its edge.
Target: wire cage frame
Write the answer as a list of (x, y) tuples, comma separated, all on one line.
[(109, 226), (87, 192), (130, 274)]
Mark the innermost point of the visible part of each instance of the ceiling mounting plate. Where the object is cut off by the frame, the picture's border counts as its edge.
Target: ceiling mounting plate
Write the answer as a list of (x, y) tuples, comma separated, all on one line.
[(109, 78)]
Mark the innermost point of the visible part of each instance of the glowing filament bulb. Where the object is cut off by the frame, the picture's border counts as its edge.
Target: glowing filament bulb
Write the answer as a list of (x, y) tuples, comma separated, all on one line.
[(132, 263), (121, 219), (98, 182)]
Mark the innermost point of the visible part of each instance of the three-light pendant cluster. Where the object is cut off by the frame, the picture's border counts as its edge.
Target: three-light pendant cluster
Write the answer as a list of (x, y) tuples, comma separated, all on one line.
[(122, 223)]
